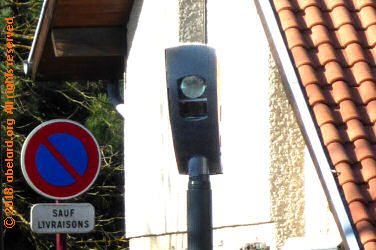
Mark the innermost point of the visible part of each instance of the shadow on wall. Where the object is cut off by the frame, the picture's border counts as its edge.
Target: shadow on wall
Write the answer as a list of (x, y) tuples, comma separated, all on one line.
[(133, 22)]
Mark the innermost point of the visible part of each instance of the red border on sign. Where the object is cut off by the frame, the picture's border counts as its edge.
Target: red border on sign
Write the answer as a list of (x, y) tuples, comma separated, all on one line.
[(85, 181)]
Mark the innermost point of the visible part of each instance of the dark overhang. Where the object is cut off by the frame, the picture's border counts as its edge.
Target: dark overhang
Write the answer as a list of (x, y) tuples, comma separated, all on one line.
[(79, 40)]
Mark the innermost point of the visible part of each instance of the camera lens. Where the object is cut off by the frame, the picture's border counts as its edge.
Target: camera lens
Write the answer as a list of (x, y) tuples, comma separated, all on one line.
[(193, 86)]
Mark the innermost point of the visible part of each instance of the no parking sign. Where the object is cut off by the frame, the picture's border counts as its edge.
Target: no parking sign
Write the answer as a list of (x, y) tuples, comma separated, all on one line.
[(60, 159)]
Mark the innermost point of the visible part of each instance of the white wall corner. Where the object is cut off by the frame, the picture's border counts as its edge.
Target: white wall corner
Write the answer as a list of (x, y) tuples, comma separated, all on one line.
[(319, 221), (155, 195)]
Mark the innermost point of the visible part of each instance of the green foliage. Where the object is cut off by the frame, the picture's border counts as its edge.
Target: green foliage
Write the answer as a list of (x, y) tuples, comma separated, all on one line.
[(84, 102), (105, 125)]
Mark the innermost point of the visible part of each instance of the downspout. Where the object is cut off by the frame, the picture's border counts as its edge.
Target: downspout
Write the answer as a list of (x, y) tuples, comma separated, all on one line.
[(306, 123), (114, 95)]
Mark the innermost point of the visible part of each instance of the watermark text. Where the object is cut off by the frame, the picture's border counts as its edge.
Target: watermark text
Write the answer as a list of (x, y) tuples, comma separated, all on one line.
[(7, 169)]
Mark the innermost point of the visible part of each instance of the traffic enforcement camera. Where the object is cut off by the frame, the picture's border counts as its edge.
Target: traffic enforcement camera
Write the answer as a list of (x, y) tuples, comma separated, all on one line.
[(193, 105)]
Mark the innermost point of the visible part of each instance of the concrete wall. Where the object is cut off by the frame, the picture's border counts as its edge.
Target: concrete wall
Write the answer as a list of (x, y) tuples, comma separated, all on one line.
[(287, 163), (298, 204), (192, 21)]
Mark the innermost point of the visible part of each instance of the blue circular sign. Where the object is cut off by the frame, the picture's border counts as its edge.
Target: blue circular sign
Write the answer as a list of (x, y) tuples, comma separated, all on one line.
[(51, 169), (60, 159)]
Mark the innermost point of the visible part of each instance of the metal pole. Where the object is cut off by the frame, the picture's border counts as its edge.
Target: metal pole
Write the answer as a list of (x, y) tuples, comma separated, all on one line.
[(61, 242), (199, 205), (61, 239)]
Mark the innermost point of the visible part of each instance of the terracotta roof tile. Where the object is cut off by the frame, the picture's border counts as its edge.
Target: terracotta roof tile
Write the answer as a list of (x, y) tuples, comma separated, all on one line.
[(372, 210), (307, 75), (295, 38), (342, 129), (363, 150), (307, 3), (370, 34), (367, 16), (301, 57), (348, 111), (338, 153), (289, 19), (331, 4), (354, 53), (358, 175), (341, 91), (371, 110), (359, 4), (333, 72), (355, 130), (359, 212), (368, 169), (350, 150), (362, 72), (356, 96), (367, 91), (319, 34), (346, 174), (315, 94), (313, 16), (333, 44), (340, 16), (330, 133), (327, 91), (355, 16), (370, 245), (366, 232), (283, 5), (371, 56), (365, 117), (323, 114), (347, 34), (372, 188), (370, 133), (326, 53), (353, 193)]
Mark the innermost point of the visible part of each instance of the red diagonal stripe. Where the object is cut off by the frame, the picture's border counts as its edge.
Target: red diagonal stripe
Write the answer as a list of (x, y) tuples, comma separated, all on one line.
[(61, 159)]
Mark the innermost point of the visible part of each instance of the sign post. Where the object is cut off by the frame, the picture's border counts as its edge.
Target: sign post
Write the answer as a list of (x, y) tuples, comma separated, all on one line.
[(60, 159), (61, 239)]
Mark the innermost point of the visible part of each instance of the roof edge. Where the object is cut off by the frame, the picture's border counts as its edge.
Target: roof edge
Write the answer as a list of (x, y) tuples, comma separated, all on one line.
[(29, 65), (306, 123)]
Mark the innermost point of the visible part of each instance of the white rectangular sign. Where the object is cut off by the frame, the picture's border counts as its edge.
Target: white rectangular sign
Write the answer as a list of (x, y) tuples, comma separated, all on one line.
[(52, 218)]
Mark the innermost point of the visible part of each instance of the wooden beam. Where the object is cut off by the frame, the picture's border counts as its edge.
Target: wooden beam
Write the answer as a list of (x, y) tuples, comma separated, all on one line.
[(92, 13), (87, 42), (81, 68), (53, 68)]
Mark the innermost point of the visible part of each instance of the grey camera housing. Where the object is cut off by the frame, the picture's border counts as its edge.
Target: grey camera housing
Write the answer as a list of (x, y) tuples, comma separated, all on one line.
[(194, 121)]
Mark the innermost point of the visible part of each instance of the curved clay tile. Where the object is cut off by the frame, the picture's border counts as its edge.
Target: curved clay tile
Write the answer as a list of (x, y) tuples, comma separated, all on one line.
[(333, 46)]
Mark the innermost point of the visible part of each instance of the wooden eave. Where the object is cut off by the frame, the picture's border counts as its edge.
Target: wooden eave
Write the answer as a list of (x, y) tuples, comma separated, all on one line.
[(79, 40)]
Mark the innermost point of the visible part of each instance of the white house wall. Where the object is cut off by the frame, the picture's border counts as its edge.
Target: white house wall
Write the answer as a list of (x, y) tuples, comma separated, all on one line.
[(241, 194), (260, 196), (153, 189)]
